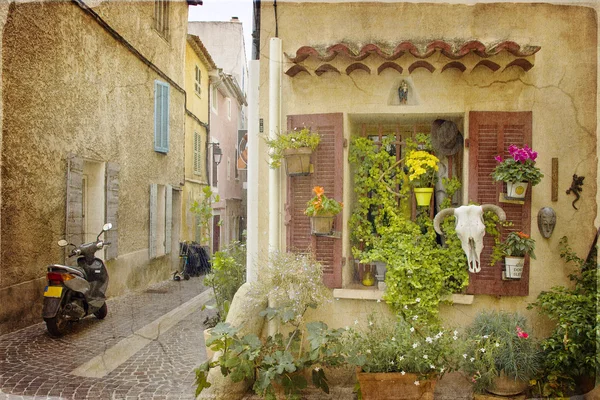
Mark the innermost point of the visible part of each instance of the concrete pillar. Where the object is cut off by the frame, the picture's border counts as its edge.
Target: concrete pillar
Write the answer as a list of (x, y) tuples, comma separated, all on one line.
[(275, 72)]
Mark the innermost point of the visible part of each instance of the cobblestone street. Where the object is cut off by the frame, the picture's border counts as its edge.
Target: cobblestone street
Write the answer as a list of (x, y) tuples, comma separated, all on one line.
[(34, 365)]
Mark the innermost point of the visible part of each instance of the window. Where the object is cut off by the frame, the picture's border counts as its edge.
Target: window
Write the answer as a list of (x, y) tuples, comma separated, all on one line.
[(229, 108), (161, 220), (161, 117), (198, 81), (161, 17), (214, 99), (197, 154)]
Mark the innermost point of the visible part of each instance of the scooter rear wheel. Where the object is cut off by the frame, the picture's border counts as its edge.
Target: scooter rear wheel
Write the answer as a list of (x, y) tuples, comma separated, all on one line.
[(102, 311), (57, 326)]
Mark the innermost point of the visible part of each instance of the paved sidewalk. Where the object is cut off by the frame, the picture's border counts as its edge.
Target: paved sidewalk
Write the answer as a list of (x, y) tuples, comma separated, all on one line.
[(150, 363)]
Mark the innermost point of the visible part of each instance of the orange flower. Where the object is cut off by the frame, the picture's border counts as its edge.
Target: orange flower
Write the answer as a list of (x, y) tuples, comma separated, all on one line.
[(523, 235), (318, 191)]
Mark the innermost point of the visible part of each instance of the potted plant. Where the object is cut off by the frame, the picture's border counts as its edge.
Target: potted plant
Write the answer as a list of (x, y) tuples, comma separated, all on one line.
[(398, 360), (422, 168), (322, 211), (278, 364), (514, 249), (499, 355), (295, 147), (518, 171)]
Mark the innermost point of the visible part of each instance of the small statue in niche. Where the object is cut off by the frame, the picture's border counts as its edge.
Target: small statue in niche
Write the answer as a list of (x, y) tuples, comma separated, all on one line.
[(546, 221), (576, 188), (403, 92)]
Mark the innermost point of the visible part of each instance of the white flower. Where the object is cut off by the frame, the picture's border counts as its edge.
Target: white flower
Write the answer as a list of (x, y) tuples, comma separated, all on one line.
[(392, 362), (428, 339), (455, 333), (485, 336), (368, 351), (405, 307), (401, 358), (455, 337), (442, 369), (465, 356), (482, 350), (355, 322), (370, 323), (415, 345), (415, 317), (317, 369), (379, 300), (472, 359), (425, 356), (497, 344), (347, 328), (417, 383), (409, 271), (403, 373), (431, 366), (412, 329), (418, 299)]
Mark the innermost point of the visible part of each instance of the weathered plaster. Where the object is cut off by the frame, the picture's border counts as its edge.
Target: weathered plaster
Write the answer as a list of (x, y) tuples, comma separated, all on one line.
[(70, 87), (560, 90)]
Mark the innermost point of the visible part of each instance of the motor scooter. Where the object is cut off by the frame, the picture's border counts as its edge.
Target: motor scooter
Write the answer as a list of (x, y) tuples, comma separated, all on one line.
[(75, 292)]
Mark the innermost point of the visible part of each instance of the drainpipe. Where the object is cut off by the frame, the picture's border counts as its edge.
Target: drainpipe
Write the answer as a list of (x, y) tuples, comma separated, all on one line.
[(253, 156), (275, 71)]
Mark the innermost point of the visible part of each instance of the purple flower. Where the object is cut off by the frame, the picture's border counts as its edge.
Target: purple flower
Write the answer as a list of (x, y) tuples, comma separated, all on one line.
[(533, 155), (512, 149), (498, 158)]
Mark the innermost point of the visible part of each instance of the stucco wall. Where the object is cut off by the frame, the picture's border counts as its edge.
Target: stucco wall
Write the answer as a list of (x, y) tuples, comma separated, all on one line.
[(69, 87), (560, 91)]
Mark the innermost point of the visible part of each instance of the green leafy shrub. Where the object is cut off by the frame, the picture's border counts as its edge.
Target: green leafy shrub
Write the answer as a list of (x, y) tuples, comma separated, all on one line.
[(204, 212), (228, 273), (571, 351), (293, 284), (499, 342)]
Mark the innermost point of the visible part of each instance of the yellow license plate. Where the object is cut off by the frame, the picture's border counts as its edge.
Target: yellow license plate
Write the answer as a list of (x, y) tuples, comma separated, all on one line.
[(53, 291)]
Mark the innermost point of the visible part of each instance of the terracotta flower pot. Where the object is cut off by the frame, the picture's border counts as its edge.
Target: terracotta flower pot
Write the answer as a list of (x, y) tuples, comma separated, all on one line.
[(506, 386), (394, 386), (297, 161), (322, 224), (423, 196)]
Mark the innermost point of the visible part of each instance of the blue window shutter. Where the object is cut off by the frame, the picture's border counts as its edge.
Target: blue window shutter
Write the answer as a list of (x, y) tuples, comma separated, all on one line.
[(161, 117)]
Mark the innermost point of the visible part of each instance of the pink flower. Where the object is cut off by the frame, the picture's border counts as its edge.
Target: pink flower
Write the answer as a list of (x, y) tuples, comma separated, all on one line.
[(523, 335), (533, 155), (512, 149), (498, 158)]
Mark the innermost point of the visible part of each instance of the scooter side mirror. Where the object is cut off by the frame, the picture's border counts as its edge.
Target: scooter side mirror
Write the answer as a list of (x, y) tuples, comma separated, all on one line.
[(62, 243), (107, 227)]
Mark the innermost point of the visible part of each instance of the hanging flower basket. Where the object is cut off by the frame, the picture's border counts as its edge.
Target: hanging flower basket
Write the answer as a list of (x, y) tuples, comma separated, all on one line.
[(514, 267), (394, 386), (297, 161), (516, 190), (322, 224), (423, 196)]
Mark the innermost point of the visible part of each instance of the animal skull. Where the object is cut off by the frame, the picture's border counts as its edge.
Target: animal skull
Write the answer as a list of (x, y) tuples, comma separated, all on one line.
[(469, 229)]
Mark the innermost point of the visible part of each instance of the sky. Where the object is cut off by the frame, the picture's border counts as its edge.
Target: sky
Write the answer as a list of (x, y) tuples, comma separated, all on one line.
[(223, 10)]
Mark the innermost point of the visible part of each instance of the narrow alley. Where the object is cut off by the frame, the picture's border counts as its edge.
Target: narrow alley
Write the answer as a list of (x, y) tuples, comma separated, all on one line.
[(146, 348)]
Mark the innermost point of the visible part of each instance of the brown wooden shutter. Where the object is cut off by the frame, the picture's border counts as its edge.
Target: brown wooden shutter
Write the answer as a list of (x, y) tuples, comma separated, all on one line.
[(490, 134), (328, 172), (112, 209)]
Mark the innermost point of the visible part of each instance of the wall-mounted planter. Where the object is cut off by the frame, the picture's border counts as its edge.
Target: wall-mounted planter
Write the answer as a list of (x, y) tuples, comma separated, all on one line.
[(514, 267), (297, 161), (322, 225), (423, 196), (516, 190)]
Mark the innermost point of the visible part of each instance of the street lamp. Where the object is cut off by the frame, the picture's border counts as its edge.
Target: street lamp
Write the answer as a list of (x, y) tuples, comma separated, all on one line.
[(217, 153)]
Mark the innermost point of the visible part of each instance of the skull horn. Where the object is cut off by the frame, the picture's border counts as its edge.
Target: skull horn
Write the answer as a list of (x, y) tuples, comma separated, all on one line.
[(492, 207), (446, 212)]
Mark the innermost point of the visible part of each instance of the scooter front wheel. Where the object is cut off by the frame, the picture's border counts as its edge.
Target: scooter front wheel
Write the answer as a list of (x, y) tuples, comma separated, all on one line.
[(57, 326), (102, 311)]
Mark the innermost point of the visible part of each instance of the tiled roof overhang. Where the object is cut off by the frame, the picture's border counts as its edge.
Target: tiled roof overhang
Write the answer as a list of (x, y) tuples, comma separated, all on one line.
[(451, 50)]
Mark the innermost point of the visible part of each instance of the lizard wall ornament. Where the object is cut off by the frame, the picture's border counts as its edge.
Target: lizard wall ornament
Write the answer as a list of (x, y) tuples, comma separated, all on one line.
[(576, 188)]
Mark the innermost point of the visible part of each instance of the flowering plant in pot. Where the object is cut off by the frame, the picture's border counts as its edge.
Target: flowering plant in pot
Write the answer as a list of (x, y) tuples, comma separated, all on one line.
[(322, 211), (422, 168), (518, 170), (295, 146), (389, 351), (514, 249), (500, 356)]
